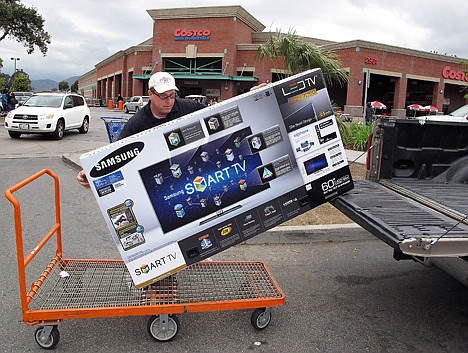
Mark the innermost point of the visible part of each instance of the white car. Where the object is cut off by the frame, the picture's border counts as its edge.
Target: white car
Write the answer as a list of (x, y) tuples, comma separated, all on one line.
[(22, 97), (49, 113), (459, 115), (135, 103), (198, 98)]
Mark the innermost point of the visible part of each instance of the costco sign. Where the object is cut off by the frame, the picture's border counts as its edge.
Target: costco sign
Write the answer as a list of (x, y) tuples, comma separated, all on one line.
[(452, 74), (192, 34)]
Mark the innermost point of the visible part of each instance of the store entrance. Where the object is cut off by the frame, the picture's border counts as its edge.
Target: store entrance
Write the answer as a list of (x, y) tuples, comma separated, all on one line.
[(185, 91)]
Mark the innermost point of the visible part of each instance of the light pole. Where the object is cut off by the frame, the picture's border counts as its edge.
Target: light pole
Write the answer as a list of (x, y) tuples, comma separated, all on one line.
[(15, 59)]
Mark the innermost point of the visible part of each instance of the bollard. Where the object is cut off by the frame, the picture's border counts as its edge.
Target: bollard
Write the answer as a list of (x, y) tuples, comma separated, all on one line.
[(120, 105), (111, 104)]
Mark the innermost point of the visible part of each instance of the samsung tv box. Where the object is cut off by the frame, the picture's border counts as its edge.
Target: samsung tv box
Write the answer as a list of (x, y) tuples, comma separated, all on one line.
[(193, 187)]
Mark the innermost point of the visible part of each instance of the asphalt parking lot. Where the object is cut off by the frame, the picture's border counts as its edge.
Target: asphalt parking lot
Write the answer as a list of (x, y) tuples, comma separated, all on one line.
[(343, 294)]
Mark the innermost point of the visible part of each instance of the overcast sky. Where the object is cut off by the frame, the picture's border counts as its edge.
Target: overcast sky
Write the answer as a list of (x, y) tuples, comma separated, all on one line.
[(88, 31)]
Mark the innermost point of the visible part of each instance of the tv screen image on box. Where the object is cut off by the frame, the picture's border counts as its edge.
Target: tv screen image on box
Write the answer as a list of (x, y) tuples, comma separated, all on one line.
[(204, 181), (315, 164)]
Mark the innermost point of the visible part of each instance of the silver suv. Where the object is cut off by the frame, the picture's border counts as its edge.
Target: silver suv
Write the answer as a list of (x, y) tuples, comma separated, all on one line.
[(135, 103), (49, 113)]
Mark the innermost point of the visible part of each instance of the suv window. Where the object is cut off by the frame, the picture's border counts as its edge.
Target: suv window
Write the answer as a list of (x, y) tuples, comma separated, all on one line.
[(77, 101), (68, 101), (135, 99)]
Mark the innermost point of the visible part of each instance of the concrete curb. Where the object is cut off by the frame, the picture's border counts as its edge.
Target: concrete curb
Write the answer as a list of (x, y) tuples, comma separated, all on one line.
[(323, 233), (71, 163)]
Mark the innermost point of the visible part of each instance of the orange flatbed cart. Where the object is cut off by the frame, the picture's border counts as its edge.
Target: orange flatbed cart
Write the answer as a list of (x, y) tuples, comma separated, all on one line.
[(96, 288)]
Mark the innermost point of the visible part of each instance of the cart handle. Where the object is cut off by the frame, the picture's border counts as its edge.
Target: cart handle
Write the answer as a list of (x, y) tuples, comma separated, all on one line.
[(56, 229)]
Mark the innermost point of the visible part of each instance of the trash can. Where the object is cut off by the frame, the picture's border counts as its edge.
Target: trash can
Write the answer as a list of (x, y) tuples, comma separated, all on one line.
[(120, 105), (110, 104)]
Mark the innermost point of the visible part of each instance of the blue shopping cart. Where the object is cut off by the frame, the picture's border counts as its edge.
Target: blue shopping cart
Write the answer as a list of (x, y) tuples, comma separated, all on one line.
[(114, 125)]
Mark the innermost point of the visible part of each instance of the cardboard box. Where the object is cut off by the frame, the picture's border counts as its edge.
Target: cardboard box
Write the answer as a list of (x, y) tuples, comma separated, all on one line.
[(186, 190)]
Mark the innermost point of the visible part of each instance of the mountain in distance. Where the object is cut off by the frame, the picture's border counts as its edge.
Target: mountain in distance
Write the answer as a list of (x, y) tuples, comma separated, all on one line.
[(49, 85)]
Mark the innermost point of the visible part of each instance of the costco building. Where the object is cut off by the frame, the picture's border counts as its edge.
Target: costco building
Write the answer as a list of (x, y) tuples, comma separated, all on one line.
[(211, 51)]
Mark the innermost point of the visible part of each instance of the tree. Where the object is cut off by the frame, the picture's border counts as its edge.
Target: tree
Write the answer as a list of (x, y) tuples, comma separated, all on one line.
[(2, 83), (465, 64), (5, 81), (24, 24), (288, 49), (74, 87), (21, 82), (63, 86)]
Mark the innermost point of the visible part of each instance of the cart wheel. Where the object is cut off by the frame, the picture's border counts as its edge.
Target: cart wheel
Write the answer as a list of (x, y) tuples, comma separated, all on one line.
[(260, 318), (161, 330), (47, 341)]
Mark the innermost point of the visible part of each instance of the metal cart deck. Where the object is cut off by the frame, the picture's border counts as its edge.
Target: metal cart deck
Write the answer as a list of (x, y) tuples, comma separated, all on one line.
[(88, 288)]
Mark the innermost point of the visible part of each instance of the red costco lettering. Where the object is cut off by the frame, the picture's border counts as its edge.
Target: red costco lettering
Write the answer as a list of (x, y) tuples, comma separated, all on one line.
[(447, 72), (179, 32)]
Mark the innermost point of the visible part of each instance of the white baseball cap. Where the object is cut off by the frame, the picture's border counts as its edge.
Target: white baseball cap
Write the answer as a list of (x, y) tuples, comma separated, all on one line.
[(162, 82)]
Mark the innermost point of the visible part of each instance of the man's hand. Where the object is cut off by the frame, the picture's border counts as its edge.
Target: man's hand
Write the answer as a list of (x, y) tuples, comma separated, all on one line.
[(259, 86), (82, 180)]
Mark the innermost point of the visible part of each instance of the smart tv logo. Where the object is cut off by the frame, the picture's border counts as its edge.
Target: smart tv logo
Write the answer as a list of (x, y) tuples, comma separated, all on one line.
[(200, 183), (161, 262)]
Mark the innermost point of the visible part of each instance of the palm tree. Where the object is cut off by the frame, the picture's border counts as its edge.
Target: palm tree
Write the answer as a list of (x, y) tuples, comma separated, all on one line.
[(300, 56)]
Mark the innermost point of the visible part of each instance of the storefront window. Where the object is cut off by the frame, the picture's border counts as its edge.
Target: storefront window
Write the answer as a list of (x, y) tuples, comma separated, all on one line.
[(194, 65)]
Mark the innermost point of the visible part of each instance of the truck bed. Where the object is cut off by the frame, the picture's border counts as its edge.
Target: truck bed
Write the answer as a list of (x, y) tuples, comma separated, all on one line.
[(415, 194), (410, 210)]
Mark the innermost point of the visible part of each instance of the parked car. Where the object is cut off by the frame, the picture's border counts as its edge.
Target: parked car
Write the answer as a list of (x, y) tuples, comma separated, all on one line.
[(198, 98), (49, 113), (22, 97), (135, 103), (458, 115)]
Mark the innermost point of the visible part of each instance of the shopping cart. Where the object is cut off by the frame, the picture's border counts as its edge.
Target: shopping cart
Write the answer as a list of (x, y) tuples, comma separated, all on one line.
[(90, 288), (114, 125)]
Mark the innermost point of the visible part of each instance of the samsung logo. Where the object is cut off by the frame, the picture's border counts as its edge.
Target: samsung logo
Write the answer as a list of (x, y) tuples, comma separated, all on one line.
[(117, 159)]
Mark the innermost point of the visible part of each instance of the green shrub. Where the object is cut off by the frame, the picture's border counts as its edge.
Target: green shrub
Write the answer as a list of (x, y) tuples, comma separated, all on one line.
[(344, 131), (359, 133), (354, 135)]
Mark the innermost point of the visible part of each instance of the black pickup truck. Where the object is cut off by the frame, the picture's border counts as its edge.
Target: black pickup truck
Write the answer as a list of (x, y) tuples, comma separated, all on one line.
[(415, 196)]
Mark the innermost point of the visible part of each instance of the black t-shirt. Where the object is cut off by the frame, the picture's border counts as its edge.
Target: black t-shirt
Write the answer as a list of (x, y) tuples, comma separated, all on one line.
[(144, 118)]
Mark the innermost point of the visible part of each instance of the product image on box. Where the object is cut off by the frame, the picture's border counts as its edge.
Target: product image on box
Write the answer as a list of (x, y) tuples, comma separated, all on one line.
[(126, 226), (315, 164), (326, 131), (204, 181), (304, 113)]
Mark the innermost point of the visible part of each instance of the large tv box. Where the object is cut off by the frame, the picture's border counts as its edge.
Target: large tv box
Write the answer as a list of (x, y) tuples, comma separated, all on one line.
[(186, 190)]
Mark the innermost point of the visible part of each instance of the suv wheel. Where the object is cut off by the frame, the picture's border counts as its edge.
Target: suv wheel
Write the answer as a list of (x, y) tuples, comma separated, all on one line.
[(14, 134), (58, 133), (126, 109), (85, 126), (137, 109)]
